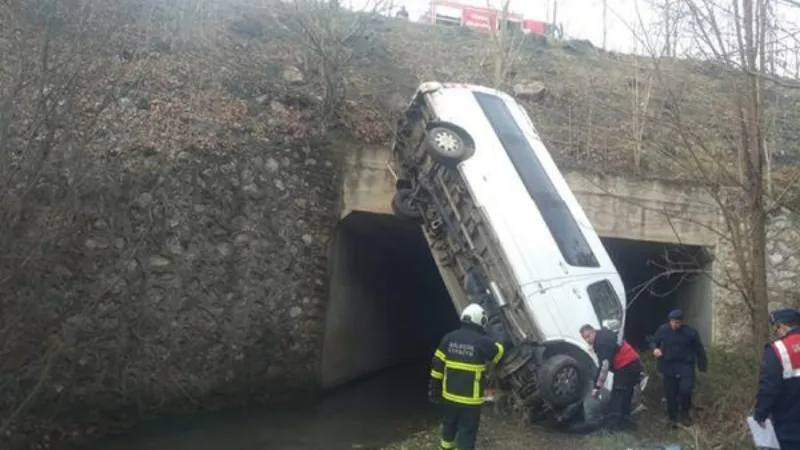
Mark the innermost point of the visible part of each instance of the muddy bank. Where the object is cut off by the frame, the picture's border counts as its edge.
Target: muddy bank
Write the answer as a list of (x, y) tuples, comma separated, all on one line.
[(503, 432)]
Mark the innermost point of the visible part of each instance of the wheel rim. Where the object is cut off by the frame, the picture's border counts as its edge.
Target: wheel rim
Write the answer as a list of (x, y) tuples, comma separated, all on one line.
[(447, 142), (566, 382)]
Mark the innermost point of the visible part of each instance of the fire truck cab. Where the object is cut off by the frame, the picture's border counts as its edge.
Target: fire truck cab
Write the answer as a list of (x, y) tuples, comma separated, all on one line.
[(454, 13)]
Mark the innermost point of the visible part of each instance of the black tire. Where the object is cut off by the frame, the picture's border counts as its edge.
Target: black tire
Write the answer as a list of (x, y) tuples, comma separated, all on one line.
[(404, 204), (562, 381), (446, 146)]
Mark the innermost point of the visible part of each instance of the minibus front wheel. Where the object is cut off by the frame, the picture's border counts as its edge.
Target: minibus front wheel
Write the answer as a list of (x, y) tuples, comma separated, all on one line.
[(561, 380), (448, 144)]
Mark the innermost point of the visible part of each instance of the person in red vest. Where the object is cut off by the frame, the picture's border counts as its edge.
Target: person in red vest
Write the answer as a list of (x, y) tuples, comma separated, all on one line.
[(779, 382), (616, 355)]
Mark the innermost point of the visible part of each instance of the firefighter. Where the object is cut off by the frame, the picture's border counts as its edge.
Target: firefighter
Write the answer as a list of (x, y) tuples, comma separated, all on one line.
[(779, 383), (618, 356), (678, 349), (458, 378)]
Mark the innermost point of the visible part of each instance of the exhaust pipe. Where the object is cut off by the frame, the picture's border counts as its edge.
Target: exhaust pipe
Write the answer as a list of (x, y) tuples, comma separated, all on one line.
[(498, 296)]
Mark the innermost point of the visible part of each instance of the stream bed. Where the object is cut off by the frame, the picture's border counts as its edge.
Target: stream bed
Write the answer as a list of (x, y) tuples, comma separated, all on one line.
[(365, 415)]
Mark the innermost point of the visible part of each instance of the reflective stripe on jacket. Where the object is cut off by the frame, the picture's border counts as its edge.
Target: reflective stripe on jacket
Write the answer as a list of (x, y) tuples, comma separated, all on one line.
[(788, 352), (460, 363), (779, 386)]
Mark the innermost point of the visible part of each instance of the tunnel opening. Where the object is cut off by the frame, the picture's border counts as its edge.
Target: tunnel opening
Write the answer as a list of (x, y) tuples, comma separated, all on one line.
[(387, 304), (659, 277)]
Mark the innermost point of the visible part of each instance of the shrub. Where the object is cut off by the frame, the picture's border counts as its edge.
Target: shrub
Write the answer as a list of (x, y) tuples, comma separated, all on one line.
[(724, 395)]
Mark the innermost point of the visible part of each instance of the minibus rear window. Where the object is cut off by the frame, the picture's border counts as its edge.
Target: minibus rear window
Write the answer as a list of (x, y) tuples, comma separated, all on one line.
[(559, 219), (605, 301)]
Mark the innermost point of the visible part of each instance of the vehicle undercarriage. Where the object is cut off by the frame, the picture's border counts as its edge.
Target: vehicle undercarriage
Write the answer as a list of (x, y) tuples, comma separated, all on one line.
[(430, 190)]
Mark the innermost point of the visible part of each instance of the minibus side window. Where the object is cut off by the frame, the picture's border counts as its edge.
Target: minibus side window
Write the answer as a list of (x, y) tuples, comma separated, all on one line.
[(559, 219)]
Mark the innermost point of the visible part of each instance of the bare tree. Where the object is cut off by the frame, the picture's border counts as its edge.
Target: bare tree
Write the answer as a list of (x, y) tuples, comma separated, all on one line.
[(669, 18), (330, 35), (605, 24), (55, 92), (506, 44), (639, 107), (554, 18), (737, 185)]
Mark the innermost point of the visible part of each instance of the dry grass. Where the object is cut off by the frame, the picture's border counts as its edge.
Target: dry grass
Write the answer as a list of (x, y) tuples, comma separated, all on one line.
[(498, 434), (724, 394)]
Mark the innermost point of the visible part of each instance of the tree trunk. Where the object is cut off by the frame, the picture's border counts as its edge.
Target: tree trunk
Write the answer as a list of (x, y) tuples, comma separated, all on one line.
[(754, 185), (555, 13), (605, 23), (759, 288), (667, 28)]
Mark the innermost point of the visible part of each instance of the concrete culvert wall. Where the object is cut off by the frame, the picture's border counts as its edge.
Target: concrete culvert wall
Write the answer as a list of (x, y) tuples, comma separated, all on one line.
[(387, 302), (659, 277)]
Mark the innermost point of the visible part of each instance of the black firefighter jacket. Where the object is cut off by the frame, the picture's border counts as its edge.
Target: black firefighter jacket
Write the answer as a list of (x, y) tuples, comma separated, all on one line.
[(459, 364)]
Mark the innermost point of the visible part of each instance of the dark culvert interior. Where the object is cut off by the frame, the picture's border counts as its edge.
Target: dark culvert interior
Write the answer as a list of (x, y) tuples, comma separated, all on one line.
[(659, 277), (388, 305)]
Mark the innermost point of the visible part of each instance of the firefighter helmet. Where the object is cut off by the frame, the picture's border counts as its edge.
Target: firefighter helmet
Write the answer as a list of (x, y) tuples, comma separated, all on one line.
[(474, 313)]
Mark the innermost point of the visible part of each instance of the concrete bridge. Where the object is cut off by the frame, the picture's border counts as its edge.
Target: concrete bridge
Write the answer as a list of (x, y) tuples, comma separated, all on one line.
[(377, 256)]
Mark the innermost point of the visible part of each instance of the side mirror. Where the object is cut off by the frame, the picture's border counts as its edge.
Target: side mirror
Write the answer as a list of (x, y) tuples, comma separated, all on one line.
[(612, 324)]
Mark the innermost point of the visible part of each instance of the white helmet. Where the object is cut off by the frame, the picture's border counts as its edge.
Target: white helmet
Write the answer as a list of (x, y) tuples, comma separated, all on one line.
[(474, 313)]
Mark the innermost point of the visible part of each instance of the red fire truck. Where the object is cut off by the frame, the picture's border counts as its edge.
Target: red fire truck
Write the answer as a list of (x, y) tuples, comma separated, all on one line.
[(448, 12)]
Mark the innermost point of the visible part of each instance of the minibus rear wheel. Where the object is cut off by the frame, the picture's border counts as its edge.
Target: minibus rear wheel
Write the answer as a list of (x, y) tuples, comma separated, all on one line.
[(448, 145), (405, 205)]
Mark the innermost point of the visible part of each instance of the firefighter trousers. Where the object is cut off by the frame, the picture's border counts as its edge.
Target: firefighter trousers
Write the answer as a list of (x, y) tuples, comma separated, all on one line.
[(459, 426)]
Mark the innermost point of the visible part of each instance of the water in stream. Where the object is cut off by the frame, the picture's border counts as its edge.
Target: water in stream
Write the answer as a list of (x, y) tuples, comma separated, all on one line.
[(365, 415)]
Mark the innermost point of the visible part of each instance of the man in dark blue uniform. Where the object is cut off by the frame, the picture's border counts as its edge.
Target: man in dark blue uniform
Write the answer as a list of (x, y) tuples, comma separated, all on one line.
[(458, 378), (779, 383), (678, 348)]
